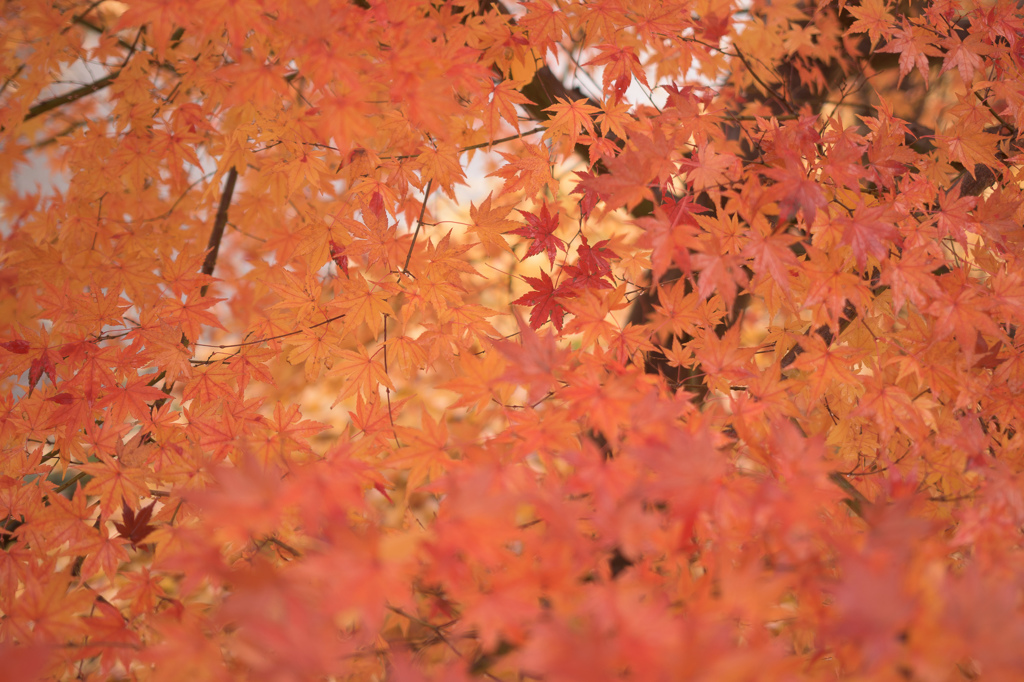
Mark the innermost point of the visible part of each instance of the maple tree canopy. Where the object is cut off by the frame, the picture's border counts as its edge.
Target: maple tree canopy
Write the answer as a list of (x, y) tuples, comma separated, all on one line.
[(606, 340)]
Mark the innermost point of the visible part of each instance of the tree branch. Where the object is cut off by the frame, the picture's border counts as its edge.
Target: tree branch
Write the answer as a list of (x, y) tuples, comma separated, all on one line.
[(218, 227), (68, 97)]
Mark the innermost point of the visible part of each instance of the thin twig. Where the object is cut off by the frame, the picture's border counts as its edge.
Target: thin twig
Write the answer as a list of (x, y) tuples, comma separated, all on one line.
[(269, 338), (387, 389), (286, 547), (999, 118), (17, 72), (437, 633), (416, 232), (70, 482), (767, 88), (131, 50)]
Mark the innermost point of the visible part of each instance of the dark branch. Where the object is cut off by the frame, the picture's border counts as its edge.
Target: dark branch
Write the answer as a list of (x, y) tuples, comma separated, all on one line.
[(67, 98), (218, 227)]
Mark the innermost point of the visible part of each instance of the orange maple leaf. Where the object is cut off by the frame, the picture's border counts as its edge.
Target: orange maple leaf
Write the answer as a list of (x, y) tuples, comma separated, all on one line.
[(621, 65), (114, 483), (529, 171), (490, 224), (362, 373), (569, 117)]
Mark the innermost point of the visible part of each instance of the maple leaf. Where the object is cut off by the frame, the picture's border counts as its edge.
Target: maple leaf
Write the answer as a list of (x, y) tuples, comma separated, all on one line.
[(288, 431), (210, 382), (441, 164), (373, 418), (490, 223), (964, 55), (45, 610), (192, 314), (569, 116), (955, 215), (545, 301), (772, 256), (407, 354), (709, 169), (910, 277), (826, 364), (249, 364), (541, 229), (873, 18), (443, 261), (339, 257), (590, 313), (534, 361), (133, 398), (19, 346), (425, 454), (596, 258), (621, 65), (685, 311), (798, 192), (721, 272), (590, 196), (110, 626), (529, 171), (626, 183), (867, 230), (135, 527), (890, 407), (504, 95), (914, 44), (843, 165), (832, 285), (960, 310), (362, 372), (474, 382), (971, 148), (114, 482), (40, 364), (592, 269), (723, 360), (361, 303), (670, 233)]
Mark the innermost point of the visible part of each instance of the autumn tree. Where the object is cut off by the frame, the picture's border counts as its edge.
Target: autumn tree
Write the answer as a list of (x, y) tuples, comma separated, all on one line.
[(389, 339)]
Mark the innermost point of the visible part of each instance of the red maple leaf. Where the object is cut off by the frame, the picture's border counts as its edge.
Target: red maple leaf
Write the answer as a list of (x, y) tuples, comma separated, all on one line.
[(544, 299), (136, 526), (339, 257), (590, 195), (43, 363), (595, 257), (19, 346), (541, 230), (592, 268)]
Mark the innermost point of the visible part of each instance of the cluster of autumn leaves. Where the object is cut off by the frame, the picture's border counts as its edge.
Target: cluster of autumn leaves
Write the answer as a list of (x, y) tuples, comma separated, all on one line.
[(404, 340)]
